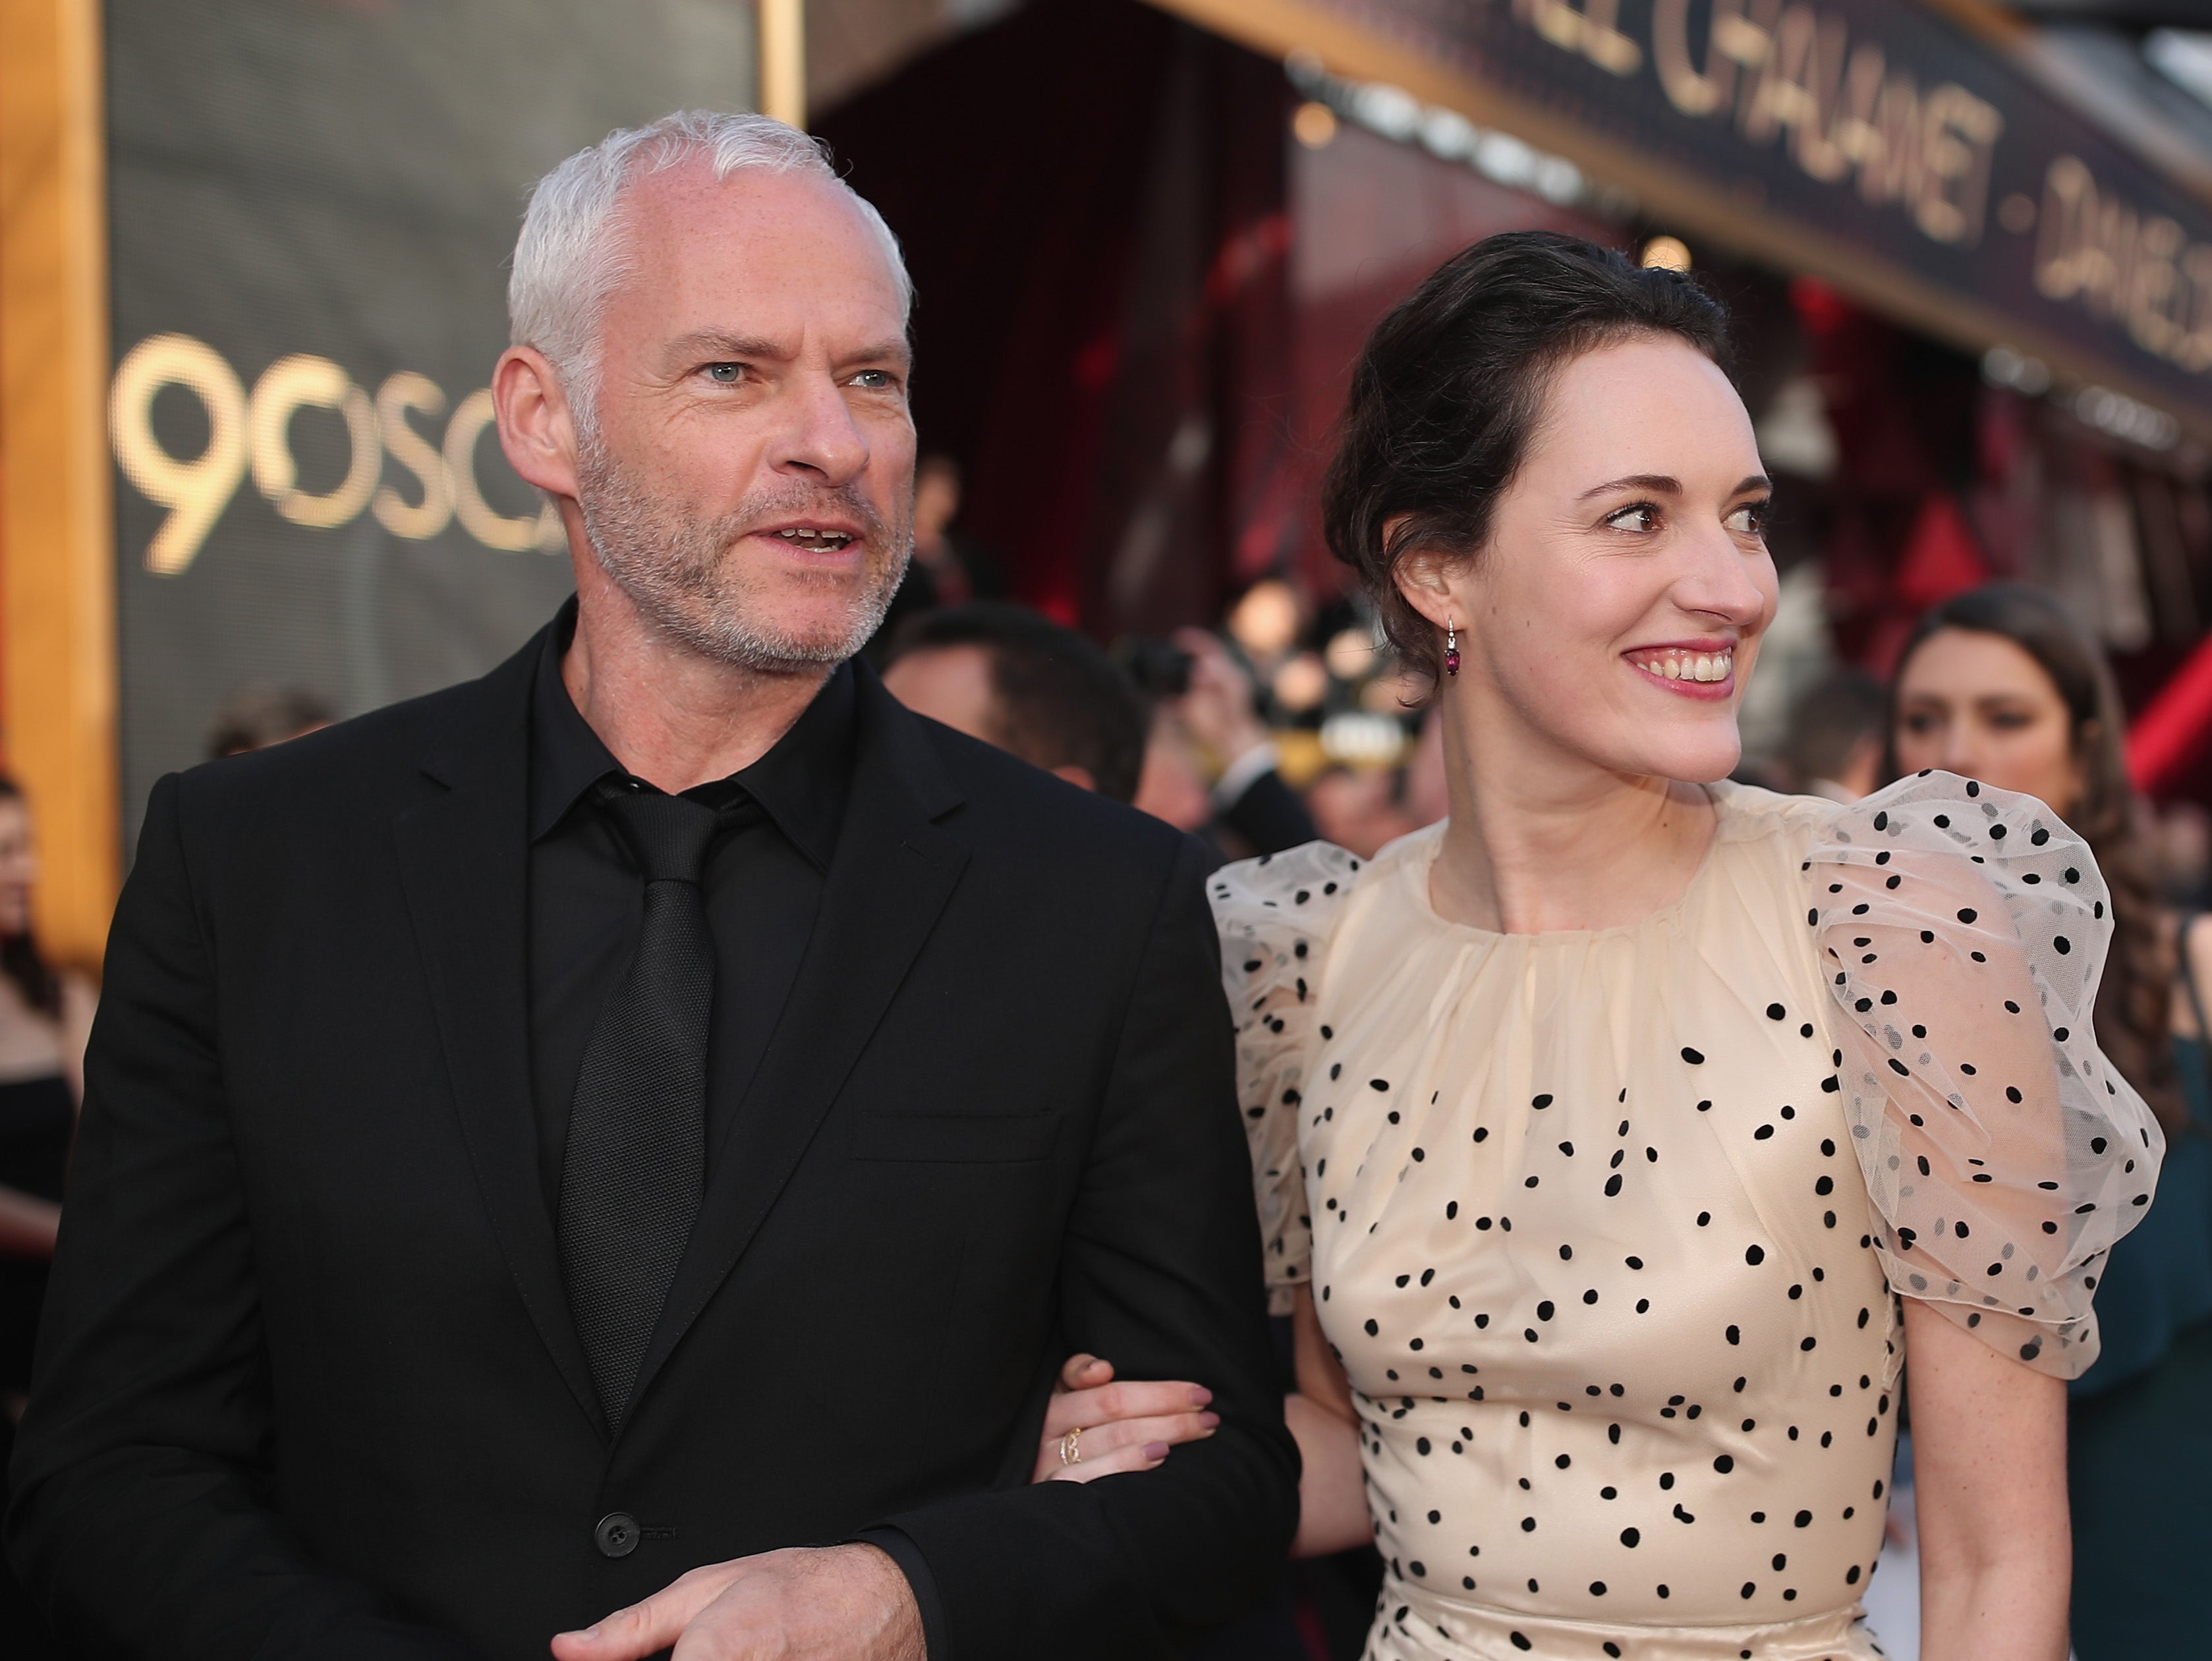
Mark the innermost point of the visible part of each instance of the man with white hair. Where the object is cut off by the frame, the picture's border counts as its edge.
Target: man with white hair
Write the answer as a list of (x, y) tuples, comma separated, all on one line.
[(609, 1155)]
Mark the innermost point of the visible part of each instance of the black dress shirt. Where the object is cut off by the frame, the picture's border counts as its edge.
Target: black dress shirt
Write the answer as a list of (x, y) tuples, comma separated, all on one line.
[(762, 886)]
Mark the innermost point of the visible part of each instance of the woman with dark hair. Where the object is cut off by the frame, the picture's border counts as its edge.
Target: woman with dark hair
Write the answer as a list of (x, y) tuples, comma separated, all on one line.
[(1601, 1130), (43, 1018), (2001, 685)]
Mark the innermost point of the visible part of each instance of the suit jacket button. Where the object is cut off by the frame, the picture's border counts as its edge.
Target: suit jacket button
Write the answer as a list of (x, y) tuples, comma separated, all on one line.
[(616, 1534)]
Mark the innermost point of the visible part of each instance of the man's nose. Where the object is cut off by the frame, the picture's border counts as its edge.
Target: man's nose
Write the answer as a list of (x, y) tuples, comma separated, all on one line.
[(819, 435)]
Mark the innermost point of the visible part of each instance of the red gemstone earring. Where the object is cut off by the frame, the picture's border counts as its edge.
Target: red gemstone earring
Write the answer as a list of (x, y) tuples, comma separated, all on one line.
[(1452, 649)]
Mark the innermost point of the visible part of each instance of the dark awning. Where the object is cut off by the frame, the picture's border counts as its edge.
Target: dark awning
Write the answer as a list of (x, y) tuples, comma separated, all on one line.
[(1905, 153)]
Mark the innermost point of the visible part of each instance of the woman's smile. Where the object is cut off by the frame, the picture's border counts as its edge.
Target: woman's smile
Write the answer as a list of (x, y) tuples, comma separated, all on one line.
[(1696, 669)]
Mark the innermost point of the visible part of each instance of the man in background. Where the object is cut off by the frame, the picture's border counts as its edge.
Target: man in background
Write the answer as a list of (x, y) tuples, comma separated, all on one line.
[(1209, 712), (255, 717), (1836, 740), (1014, 678), (947, 569)]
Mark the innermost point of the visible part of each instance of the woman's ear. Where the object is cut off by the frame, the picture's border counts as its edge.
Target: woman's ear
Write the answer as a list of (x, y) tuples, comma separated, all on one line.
[(1425, 578)]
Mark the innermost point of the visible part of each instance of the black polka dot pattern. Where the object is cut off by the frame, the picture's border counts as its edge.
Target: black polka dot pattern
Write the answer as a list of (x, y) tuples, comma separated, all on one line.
[(1961, 931), (1596, 1255)]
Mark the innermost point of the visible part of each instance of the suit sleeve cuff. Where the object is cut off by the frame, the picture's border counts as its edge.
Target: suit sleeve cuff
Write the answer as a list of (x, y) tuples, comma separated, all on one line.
[(897, 1544), (1243, 773)]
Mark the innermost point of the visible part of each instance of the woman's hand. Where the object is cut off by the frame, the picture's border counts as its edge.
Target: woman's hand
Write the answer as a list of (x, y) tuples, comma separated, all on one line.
[(1125, 1427)]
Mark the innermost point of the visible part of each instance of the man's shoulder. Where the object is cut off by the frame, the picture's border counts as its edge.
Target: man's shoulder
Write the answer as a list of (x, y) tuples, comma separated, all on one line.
[(1008, 803), (378, 757)]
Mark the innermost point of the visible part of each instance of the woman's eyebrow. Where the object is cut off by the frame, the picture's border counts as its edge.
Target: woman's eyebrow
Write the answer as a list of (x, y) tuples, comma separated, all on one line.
[(1657, 484)]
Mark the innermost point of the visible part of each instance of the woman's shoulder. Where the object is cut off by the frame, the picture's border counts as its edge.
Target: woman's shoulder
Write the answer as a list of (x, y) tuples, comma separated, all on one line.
[(1306, 887), (1296, 882), (1954, 814), (1750, 810)]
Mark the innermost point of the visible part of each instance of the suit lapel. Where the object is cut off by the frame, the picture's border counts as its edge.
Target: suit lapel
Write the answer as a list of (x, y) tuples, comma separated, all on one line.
[(888, 882), (464, 861)]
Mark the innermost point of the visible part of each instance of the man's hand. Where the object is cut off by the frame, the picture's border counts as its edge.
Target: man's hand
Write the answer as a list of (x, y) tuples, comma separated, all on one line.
[(1220, 710), (826, 1603)]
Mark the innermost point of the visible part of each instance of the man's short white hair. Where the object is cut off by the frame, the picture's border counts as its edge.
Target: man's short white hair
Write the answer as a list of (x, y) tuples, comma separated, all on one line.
[(570, 256)]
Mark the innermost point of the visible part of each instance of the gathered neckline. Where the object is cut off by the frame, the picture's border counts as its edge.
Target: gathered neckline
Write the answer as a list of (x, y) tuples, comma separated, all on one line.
[(1735, 807)]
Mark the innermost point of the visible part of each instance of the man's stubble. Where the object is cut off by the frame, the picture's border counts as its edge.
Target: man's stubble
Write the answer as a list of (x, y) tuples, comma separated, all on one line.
[(681, 574)]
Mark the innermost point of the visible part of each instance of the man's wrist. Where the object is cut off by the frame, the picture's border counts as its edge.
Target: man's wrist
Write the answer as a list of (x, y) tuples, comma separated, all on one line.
[(920, 1632)]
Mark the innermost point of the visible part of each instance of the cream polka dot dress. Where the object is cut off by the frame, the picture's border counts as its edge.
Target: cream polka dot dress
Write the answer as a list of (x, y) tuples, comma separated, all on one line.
[(1606, 1227)]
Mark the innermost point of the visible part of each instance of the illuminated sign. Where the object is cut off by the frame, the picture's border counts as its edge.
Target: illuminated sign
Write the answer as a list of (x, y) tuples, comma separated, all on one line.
[(311, 209), (253, 432), (1877, 142)]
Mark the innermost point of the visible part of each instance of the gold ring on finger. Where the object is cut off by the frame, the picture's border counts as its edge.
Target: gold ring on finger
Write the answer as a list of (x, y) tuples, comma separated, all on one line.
[(1071, 1447)]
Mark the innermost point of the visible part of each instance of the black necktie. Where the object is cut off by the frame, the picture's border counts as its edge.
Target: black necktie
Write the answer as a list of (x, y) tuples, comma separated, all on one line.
[(637, 1159)]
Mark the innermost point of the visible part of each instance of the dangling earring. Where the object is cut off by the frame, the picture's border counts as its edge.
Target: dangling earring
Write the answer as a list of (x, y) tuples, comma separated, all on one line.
[(1452, 649)]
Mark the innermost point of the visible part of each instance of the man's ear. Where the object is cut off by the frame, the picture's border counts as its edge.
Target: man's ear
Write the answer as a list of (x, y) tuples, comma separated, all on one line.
[(1079, 777), (536, 427)]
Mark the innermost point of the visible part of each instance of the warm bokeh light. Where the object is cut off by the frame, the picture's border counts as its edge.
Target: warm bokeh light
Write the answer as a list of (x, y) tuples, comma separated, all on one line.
[(1301, 684), (1668, 251), (1350, 653), (1264, 623), (1314, 125), (1394, 693)]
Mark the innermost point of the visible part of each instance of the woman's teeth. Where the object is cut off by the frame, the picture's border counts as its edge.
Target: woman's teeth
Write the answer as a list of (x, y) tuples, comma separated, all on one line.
[(1688, 665)]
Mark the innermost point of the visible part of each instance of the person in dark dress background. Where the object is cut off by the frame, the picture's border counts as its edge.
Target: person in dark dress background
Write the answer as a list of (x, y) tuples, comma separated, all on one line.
[(44, 1016), (2001, 685)]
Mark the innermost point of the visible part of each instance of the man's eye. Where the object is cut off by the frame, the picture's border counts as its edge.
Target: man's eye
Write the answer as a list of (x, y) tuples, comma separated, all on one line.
[(1644, 516), (727, 375), (1750, 519), (876, 380)]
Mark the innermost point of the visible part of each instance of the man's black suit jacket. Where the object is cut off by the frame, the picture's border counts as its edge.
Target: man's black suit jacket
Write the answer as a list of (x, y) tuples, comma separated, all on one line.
[(308, 1385)]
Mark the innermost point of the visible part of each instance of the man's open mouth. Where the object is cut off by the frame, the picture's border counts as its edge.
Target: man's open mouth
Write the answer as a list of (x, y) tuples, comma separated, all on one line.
[(816, 540)]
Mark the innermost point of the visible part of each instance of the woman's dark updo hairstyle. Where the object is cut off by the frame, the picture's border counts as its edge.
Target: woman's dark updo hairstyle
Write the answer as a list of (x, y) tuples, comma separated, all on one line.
[(2135, 998), (1450, 387), (20, 960)]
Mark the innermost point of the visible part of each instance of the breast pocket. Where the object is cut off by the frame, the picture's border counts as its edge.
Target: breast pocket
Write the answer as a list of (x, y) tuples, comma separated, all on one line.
[(954, 1138)]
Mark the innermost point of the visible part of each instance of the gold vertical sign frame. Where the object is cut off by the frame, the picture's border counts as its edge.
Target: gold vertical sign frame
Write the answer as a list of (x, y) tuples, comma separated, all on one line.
[(58, 662), (782, 48)]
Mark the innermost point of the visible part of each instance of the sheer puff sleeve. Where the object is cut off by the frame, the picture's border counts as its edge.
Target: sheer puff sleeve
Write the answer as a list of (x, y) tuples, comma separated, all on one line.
[(1275, 915), (1962, 931)]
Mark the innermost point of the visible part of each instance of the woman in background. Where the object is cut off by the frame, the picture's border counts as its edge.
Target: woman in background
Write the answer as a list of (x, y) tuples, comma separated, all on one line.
[(1999, 685), (43, 1018)]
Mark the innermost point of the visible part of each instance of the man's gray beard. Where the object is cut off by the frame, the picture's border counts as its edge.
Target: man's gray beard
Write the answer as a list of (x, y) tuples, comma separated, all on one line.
[(679, 573)]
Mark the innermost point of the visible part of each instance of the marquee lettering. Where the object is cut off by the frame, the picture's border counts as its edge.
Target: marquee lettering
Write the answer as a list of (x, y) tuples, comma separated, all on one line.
[(1787, 72), (252, 433), (2135, 270)]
